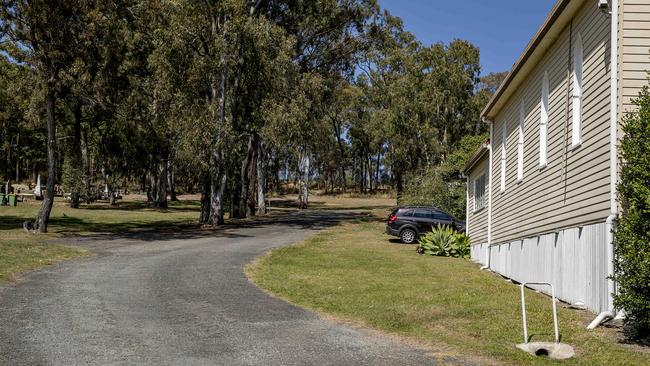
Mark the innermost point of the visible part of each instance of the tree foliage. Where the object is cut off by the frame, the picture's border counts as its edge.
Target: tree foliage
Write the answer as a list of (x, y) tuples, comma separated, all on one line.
[(632, 234), (442, 185), (230, 99)]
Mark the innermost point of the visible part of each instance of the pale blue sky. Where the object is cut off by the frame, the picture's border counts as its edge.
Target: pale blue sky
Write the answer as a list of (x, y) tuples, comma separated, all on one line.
[(500, 28)]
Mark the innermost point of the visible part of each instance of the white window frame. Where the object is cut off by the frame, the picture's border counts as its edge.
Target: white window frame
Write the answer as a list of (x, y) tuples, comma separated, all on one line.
[(504, 137), (576, 99), (479, 186), (520, 142), (543, 122)]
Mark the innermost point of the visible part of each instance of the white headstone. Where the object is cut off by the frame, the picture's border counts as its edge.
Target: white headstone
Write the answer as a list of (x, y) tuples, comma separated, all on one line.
[(37, 190)]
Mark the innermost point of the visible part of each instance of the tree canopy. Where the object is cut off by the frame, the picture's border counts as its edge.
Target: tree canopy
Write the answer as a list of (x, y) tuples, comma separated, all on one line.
[(230, 99)]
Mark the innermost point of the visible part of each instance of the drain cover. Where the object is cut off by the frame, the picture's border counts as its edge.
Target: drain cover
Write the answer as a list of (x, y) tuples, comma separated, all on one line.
[(558, 351)]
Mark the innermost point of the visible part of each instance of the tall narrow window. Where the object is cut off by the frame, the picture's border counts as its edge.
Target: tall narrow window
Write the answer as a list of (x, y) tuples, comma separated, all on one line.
[(577, 92), (543, 122), (479, 193), (520, 142), (504, 136)]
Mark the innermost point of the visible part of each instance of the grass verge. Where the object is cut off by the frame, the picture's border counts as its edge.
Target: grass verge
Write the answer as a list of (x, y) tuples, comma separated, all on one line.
[(355, 273), (20, 251)]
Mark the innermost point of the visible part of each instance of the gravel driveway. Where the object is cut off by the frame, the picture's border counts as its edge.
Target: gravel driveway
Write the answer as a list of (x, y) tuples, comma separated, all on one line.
[(179, 298)]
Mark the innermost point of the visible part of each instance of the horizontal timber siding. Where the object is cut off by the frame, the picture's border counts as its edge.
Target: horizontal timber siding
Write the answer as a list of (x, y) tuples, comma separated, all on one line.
[(477, 229), (573, 189), (633, 50)]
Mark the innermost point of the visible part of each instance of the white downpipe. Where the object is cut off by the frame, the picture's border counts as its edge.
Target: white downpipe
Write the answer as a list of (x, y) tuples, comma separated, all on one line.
[(610, 312), (613, 169), (489, 213), (467, 206)]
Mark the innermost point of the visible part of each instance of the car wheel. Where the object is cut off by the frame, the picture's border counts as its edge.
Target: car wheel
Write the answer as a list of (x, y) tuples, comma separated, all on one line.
[(408, 236)]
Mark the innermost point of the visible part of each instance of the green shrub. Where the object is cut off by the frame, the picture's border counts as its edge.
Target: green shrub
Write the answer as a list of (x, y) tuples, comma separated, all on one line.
[(632, 233), (441, 185), (446, 242)]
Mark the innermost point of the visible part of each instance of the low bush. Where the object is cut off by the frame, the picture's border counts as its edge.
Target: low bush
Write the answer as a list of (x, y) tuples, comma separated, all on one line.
[(446, 242)]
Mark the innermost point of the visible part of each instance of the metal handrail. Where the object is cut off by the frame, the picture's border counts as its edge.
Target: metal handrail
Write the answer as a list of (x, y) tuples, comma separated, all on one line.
[(523, 309)]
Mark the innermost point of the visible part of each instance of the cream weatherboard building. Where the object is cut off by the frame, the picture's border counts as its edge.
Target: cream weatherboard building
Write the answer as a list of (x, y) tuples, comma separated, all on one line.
[(542, 191)]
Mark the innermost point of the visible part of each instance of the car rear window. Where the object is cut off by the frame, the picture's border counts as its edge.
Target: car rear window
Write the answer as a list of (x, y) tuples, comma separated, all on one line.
[(407, 213)]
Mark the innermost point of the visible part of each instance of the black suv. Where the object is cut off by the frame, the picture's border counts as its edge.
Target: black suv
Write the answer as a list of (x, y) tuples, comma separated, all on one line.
[(409, 222)]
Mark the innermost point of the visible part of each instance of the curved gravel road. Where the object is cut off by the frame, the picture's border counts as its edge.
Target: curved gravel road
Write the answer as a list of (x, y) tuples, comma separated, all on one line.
[(179, 299)]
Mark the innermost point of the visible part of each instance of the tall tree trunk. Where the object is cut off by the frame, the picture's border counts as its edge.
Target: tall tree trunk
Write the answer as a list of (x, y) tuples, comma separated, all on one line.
[(341, 151), (160, 198), (219, 179), (367, 162), (171, 181), (143, 182), (261, 179), (152, 192), (43, 217), (18, 158), (205, 200), (252, 180), (244, 176), (362, 165), (86, 177), (278, 187), (303, 185), (7, 165), (75, 154), (112, 193), (217, 188), (377, 171)]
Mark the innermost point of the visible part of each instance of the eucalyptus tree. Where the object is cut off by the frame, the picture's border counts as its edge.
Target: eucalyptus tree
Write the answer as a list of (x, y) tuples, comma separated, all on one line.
[(208, 32), (263, 69), (328, 43), (421, 98), (46, 35), (18, 142)]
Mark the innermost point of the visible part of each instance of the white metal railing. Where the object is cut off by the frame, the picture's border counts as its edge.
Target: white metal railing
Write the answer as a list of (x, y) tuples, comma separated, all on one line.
[(523, 309)]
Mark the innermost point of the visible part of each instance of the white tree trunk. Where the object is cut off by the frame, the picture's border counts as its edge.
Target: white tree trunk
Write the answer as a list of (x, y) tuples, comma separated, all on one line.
[(303, 195)]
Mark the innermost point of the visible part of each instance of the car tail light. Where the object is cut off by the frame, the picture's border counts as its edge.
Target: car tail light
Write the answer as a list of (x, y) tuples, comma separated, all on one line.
[(392, 219)]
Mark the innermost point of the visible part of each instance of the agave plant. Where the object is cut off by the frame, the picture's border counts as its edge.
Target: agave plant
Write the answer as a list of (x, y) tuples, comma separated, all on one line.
[(444, 241)]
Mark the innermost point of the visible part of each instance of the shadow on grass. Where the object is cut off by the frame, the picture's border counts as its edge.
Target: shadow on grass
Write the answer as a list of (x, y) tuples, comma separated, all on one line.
[(306, 219), (178, 206), (11, 222), (73, 224), (162, 230), (158, 230), (323, 206), (74, 227)]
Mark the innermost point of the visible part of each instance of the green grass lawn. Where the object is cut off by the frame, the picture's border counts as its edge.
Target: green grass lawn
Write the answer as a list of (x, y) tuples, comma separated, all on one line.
[(20, 251), (356, 274)]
